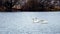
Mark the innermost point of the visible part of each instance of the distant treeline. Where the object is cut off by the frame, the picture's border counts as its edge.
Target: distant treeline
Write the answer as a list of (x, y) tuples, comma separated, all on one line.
[(31, 4)]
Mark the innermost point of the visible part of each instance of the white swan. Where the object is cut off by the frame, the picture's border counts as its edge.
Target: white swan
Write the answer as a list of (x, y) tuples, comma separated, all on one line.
[(44, 21), (35, 20)]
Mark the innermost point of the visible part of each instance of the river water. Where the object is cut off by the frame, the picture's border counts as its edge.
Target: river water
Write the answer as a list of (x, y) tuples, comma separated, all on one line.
[(21, 23)]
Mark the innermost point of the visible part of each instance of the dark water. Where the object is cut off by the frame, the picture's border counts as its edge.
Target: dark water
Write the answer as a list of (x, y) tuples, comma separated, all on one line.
[(21, 23)]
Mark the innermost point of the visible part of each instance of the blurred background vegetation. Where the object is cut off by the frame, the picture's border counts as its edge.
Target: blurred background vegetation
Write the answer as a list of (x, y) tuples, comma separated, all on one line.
[(33, 5)]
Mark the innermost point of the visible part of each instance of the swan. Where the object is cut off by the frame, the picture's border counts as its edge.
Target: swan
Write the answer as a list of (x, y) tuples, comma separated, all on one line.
[(44, 21), (35, 20)]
